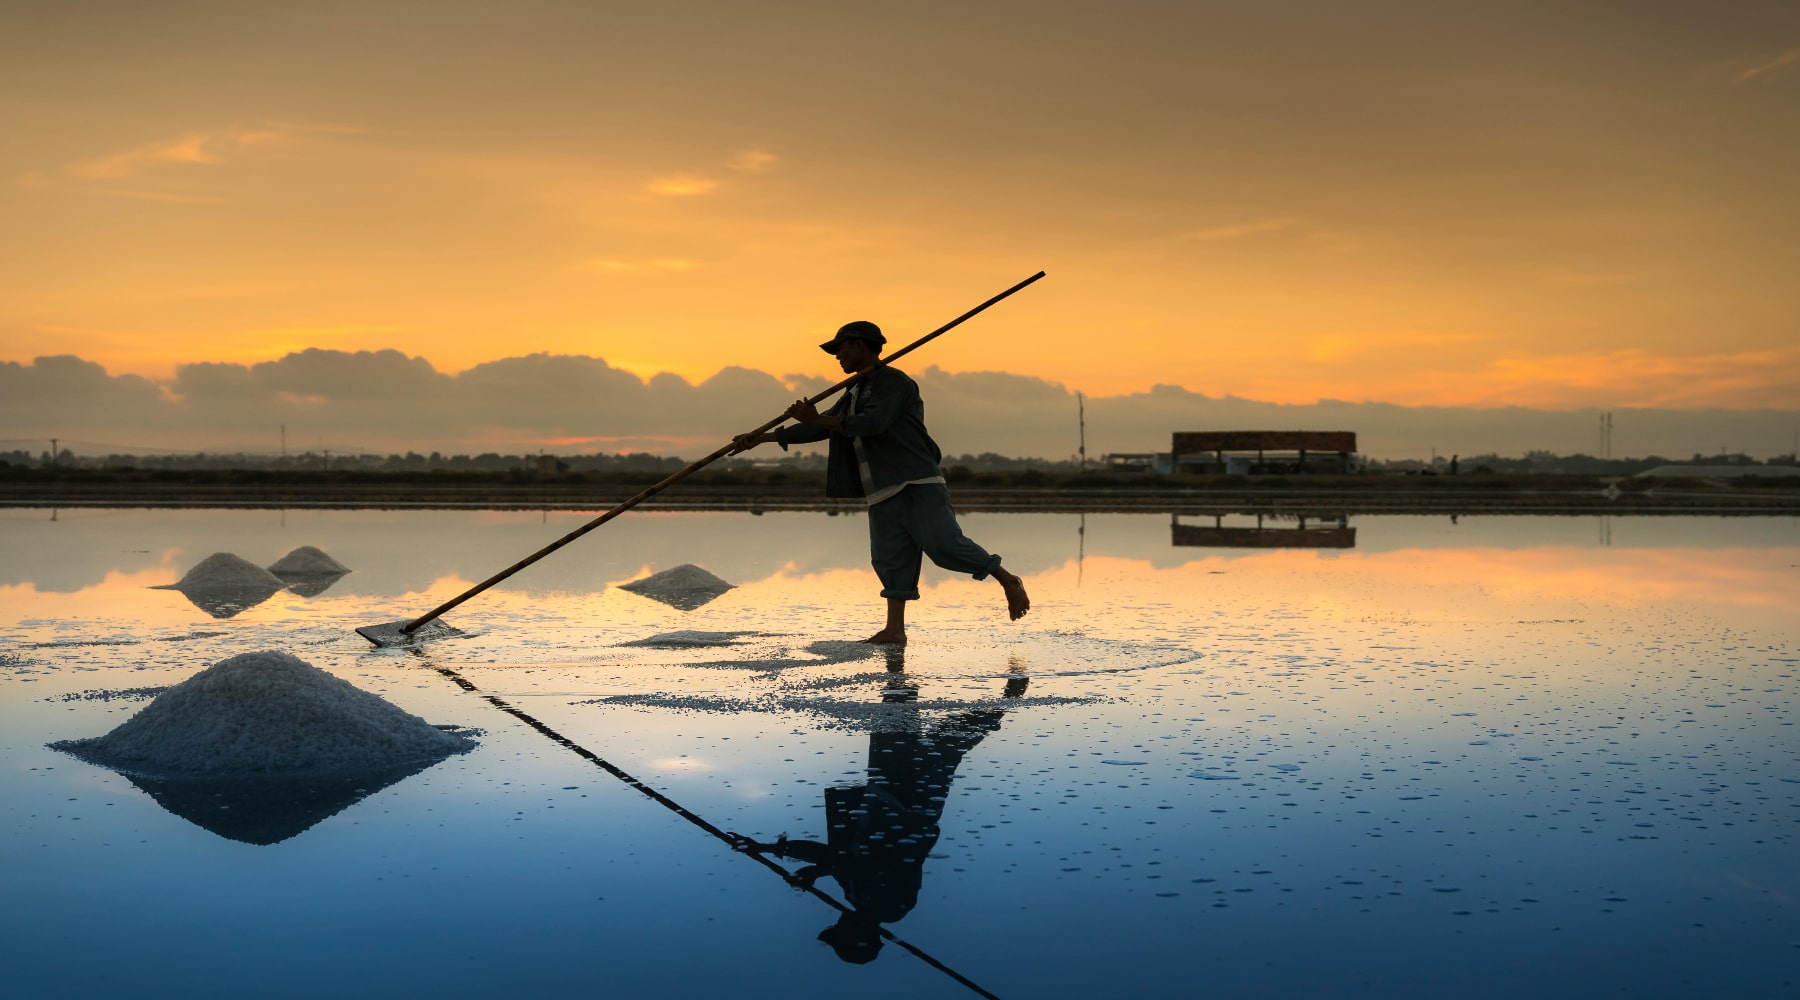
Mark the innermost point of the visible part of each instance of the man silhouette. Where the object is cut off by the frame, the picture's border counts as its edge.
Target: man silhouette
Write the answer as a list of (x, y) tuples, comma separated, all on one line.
[(880, 452), (880, 832)]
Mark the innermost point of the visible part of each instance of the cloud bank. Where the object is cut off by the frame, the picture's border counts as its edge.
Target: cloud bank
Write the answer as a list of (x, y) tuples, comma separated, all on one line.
[(386, 401)]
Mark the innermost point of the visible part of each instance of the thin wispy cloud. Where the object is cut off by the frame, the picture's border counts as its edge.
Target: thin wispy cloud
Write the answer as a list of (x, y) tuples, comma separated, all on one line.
[(103, 174), (183, 149), (1637, 377), (194, 148), (1242, 229), (1338, 347), (39, 181), (753, 161), (1591, 279), (681, 185), (1778, 66), (1333, 240), (657, 265)]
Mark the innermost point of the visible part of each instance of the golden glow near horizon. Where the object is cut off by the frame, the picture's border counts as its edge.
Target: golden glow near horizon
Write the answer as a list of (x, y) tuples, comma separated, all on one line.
[(1492, 585), (1533, 205)]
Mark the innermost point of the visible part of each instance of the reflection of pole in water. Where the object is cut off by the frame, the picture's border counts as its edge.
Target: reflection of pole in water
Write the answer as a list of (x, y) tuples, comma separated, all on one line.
[(1080, 546), (737, 843), (880, 832), (1606, 531)]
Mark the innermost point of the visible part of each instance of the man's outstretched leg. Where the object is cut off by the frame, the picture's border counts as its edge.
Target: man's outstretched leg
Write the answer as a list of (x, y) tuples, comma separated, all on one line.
[(894, 634), (932, 522)]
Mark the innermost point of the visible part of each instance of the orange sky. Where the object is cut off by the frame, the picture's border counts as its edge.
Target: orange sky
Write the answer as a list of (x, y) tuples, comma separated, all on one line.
[(1539, 205)]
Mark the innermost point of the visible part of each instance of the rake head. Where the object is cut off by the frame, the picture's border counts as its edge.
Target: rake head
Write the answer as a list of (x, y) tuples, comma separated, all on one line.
[(395, 633)]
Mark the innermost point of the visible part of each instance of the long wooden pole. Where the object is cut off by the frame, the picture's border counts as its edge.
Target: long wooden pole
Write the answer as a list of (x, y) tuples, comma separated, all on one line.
[(731, 840), (728, 449)]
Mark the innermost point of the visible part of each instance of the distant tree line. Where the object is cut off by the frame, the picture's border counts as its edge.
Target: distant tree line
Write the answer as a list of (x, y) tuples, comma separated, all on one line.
[(410, 462), (966, 467), (1549, 463)]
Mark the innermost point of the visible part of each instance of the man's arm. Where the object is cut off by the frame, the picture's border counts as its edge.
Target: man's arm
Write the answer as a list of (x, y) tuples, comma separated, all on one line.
[(881, 405), (782, 436), (745, 442), (804, 412)]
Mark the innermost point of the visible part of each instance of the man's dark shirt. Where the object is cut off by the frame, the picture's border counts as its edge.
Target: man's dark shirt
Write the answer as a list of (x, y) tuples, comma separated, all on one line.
[(889, 417)]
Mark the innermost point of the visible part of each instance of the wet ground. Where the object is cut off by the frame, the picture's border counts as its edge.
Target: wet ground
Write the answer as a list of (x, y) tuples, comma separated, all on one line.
[(1492, 757)]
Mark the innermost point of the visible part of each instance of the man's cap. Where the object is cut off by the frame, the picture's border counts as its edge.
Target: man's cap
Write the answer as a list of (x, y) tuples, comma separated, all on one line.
[(861, 329), (856, 939)]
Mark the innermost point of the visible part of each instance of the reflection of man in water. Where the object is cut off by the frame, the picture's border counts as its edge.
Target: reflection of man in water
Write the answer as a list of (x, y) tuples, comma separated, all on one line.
[(880, 452), (881, 831)]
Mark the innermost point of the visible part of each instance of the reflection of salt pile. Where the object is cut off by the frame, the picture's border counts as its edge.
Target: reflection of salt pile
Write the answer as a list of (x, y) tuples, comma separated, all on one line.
[(823, 653), (688, 639), (261, 746), (224, 584), (307, 571), (686, 587), (263, 712)]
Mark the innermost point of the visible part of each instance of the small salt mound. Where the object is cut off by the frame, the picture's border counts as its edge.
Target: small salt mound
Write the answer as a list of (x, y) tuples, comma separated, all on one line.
[(686, 587), (307, 571), (262, 713), (223, 570), (307, 561), (224, 584)]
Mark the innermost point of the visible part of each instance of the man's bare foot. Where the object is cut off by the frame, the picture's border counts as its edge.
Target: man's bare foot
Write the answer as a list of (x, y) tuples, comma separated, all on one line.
[(1017, 601), (888, 637)]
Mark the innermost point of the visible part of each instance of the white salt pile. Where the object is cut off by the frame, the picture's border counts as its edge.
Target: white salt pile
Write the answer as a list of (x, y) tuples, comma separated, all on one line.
[(266, 713), (686, 587), (307, 571), (307, 561), (225, 571), (224, 584)]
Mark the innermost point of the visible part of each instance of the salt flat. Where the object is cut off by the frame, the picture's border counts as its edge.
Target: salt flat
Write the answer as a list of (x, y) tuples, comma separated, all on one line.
[(1489, 757)]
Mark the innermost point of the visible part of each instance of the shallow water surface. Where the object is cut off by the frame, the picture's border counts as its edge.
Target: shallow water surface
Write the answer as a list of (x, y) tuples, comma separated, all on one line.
[(1379, 756)]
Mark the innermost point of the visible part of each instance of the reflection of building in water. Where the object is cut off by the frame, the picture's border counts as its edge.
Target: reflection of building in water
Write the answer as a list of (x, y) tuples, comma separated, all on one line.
[(881, 831), (1241, 453), (1158, 462), (1270, 531)]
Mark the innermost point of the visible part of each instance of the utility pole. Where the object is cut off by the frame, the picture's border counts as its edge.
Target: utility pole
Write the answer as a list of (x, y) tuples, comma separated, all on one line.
[(1081, 411), (284, 443), (53, 454)]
